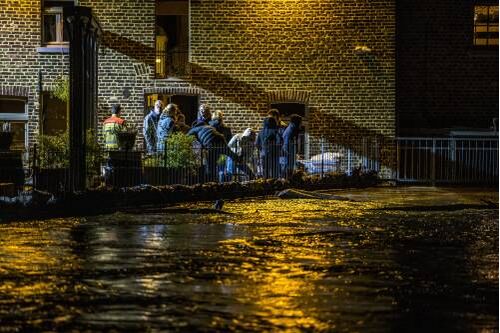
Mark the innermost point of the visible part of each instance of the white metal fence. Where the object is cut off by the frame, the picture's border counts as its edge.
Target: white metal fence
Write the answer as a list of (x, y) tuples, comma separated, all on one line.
[(447, 160)]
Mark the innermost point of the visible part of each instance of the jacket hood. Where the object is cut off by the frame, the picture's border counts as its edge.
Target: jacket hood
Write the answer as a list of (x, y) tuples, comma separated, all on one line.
[(270, 123)]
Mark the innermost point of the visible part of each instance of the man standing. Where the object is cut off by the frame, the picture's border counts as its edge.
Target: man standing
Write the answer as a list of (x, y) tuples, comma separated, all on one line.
[(112, 125), (150, 127)]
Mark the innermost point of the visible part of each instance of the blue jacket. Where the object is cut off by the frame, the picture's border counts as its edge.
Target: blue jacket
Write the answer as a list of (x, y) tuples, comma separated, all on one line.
[(269, 138), (149, 130), (166, 126), (290, 136), (207, 136)]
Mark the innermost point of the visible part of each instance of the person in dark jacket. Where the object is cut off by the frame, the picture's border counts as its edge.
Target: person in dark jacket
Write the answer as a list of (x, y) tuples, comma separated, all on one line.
[(269, 143), (166, 125), (215, 145), (150, 127), (289, 149), (181, 124), (217, 122), (204, 115)]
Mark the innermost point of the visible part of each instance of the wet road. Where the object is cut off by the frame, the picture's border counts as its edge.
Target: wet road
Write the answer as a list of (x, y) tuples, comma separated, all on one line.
[(414, 259)]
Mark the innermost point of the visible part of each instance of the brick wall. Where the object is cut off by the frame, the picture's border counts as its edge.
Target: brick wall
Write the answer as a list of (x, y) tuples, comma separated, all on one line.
[(442, 80), (244, 55)]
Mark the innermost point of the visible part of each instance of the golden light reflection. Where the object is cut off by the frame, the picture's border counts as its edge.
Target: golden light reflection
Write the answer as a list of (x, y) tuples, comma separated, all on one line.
[(37, 250)]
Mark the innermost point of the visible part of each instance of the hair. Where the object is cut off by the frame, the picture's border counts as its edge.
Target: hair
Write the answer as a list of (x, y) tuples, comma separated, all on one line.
[(248, 132), (218, 115), (171, 110), (116, 108), (206, 113), (274, 113), (296, 119)]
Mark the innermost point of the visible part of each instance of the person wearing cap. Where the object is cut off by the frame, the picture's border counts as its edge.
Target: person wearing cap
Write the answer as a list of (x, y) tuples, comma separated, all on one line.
[(111, 126)]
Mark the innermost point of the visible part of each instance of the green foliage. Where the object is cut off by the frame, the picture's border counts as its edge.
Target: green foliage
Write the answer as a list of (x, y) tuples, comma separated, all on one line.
[(53, 151), (179, 153), (61, 90)]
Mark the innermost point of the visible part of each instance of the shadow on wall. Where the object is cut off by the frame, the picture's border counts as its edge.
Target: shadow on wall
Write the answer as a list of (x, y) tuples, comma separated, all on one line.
[(332, 126)]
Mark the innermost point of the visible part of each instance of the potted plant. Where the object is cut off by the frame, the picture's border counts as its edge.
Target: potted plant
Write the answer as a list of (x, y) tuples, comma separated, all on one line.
[(6, 135), (125, 137), (178, 164)]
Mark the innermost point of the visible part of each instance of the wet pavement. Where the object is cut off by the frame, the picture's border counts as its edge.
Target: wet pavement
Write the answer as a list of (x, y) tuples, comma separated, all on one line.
[(394, 259)]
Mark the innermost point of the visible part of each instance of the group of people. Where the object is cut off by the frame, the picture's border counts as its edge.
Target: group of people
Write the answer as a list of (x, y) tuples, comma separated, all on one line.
[(275, 142)]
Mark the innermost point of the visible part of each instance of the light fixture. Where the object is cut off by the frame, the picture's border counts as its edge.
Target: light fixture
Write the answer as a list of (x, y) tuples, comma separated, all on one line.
[(362, 49)]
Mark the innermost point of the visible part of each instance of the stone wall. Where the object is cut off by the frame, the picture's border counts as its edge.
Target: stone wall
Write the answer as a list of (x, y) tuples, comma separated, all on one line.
[(244, 55), (442, 79)]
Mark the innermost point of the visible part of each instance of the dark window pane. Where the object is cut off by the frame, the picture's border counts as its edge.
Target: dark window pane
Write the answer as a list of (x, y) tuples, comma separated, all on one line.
[(11, 106), (49, 28), (19, 129), (54, 115)]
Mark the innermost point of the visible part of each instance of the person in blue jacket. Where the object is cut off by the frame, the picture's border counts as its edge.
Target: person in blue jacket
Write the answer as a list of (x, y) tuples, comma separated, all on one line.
[(289, 149), (149, 130), (166, 125), (269, 143)]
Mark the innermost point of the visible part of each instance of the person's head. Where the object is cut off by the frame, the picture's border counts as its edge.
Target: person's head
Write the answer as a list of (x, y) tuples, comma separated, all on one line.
[(116, 109), (204, 112), (249, 134), (296, 119), (270, 122), (171, 110), (274, 113), (181, 119), (158, 106), (218, 115)]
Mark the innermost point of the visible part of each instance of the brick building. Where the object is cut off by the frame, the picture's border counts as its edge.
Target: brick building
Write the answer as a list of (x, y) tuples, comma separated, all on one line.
[(447, 65), (334, 62)]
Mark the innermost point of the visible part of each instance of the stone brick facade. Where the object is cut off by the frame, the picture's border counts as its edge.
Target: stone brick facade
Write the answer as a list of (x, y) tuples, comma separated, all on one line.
[(442, 79), (244, 55)]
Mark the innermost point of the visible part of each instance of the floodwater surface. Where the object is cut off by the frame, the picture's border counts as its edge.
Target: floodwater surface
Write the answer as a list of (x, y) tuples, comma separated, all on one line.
[(394, 259)]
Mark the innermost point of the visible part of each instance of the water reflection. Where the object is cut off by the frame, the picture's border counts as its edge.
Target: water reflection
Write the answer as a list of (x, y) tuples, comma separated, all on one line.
[(272, 265)]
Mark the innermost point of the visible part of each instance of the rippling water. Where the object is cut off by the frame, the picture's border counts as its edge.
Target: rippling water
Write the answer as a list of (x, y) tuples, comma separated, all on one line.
[(381, 263)]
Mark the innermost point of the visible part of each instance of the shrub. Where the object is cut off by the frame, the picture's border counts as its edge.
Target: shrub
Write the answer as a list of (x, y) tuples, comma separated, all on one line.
[(178, 153)]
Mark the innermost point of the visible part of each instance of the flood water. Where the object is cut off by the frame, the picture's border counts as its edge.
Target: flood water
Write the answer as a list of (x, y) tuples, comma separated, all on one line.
[(395, 259)]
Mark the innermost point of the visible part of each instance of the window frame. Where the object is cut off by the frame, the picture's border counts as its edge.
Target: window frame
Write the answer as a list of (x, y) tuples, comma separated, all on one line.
[(17, 117), (474, 25), (46, 10), (168, 74)]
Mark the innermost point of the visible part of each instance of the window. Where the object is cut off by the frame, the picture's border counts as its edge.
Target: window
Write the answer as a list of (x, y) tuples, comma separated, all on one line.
[(52, 22), (172, 38), (485, 25), (13, 110), (54, 115)]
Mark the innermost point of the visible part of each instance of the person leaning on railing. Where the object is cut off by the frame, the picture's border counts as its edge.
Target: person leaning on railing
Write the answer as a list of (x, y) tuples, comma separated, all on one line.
[(289, 149), (111, 126), (269, 142), (215, 144)]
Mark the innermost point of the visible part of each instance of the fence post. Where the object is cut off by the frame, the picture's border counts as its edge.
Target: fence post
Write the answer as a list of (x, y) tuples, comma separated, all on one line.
[(433, 162), (322, 157), (349, 166)]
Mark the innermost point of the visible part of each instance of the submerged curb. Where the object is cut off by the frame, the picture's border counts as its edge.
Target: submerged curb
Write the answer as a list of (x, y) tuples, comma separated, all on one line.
[(104, 200)]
